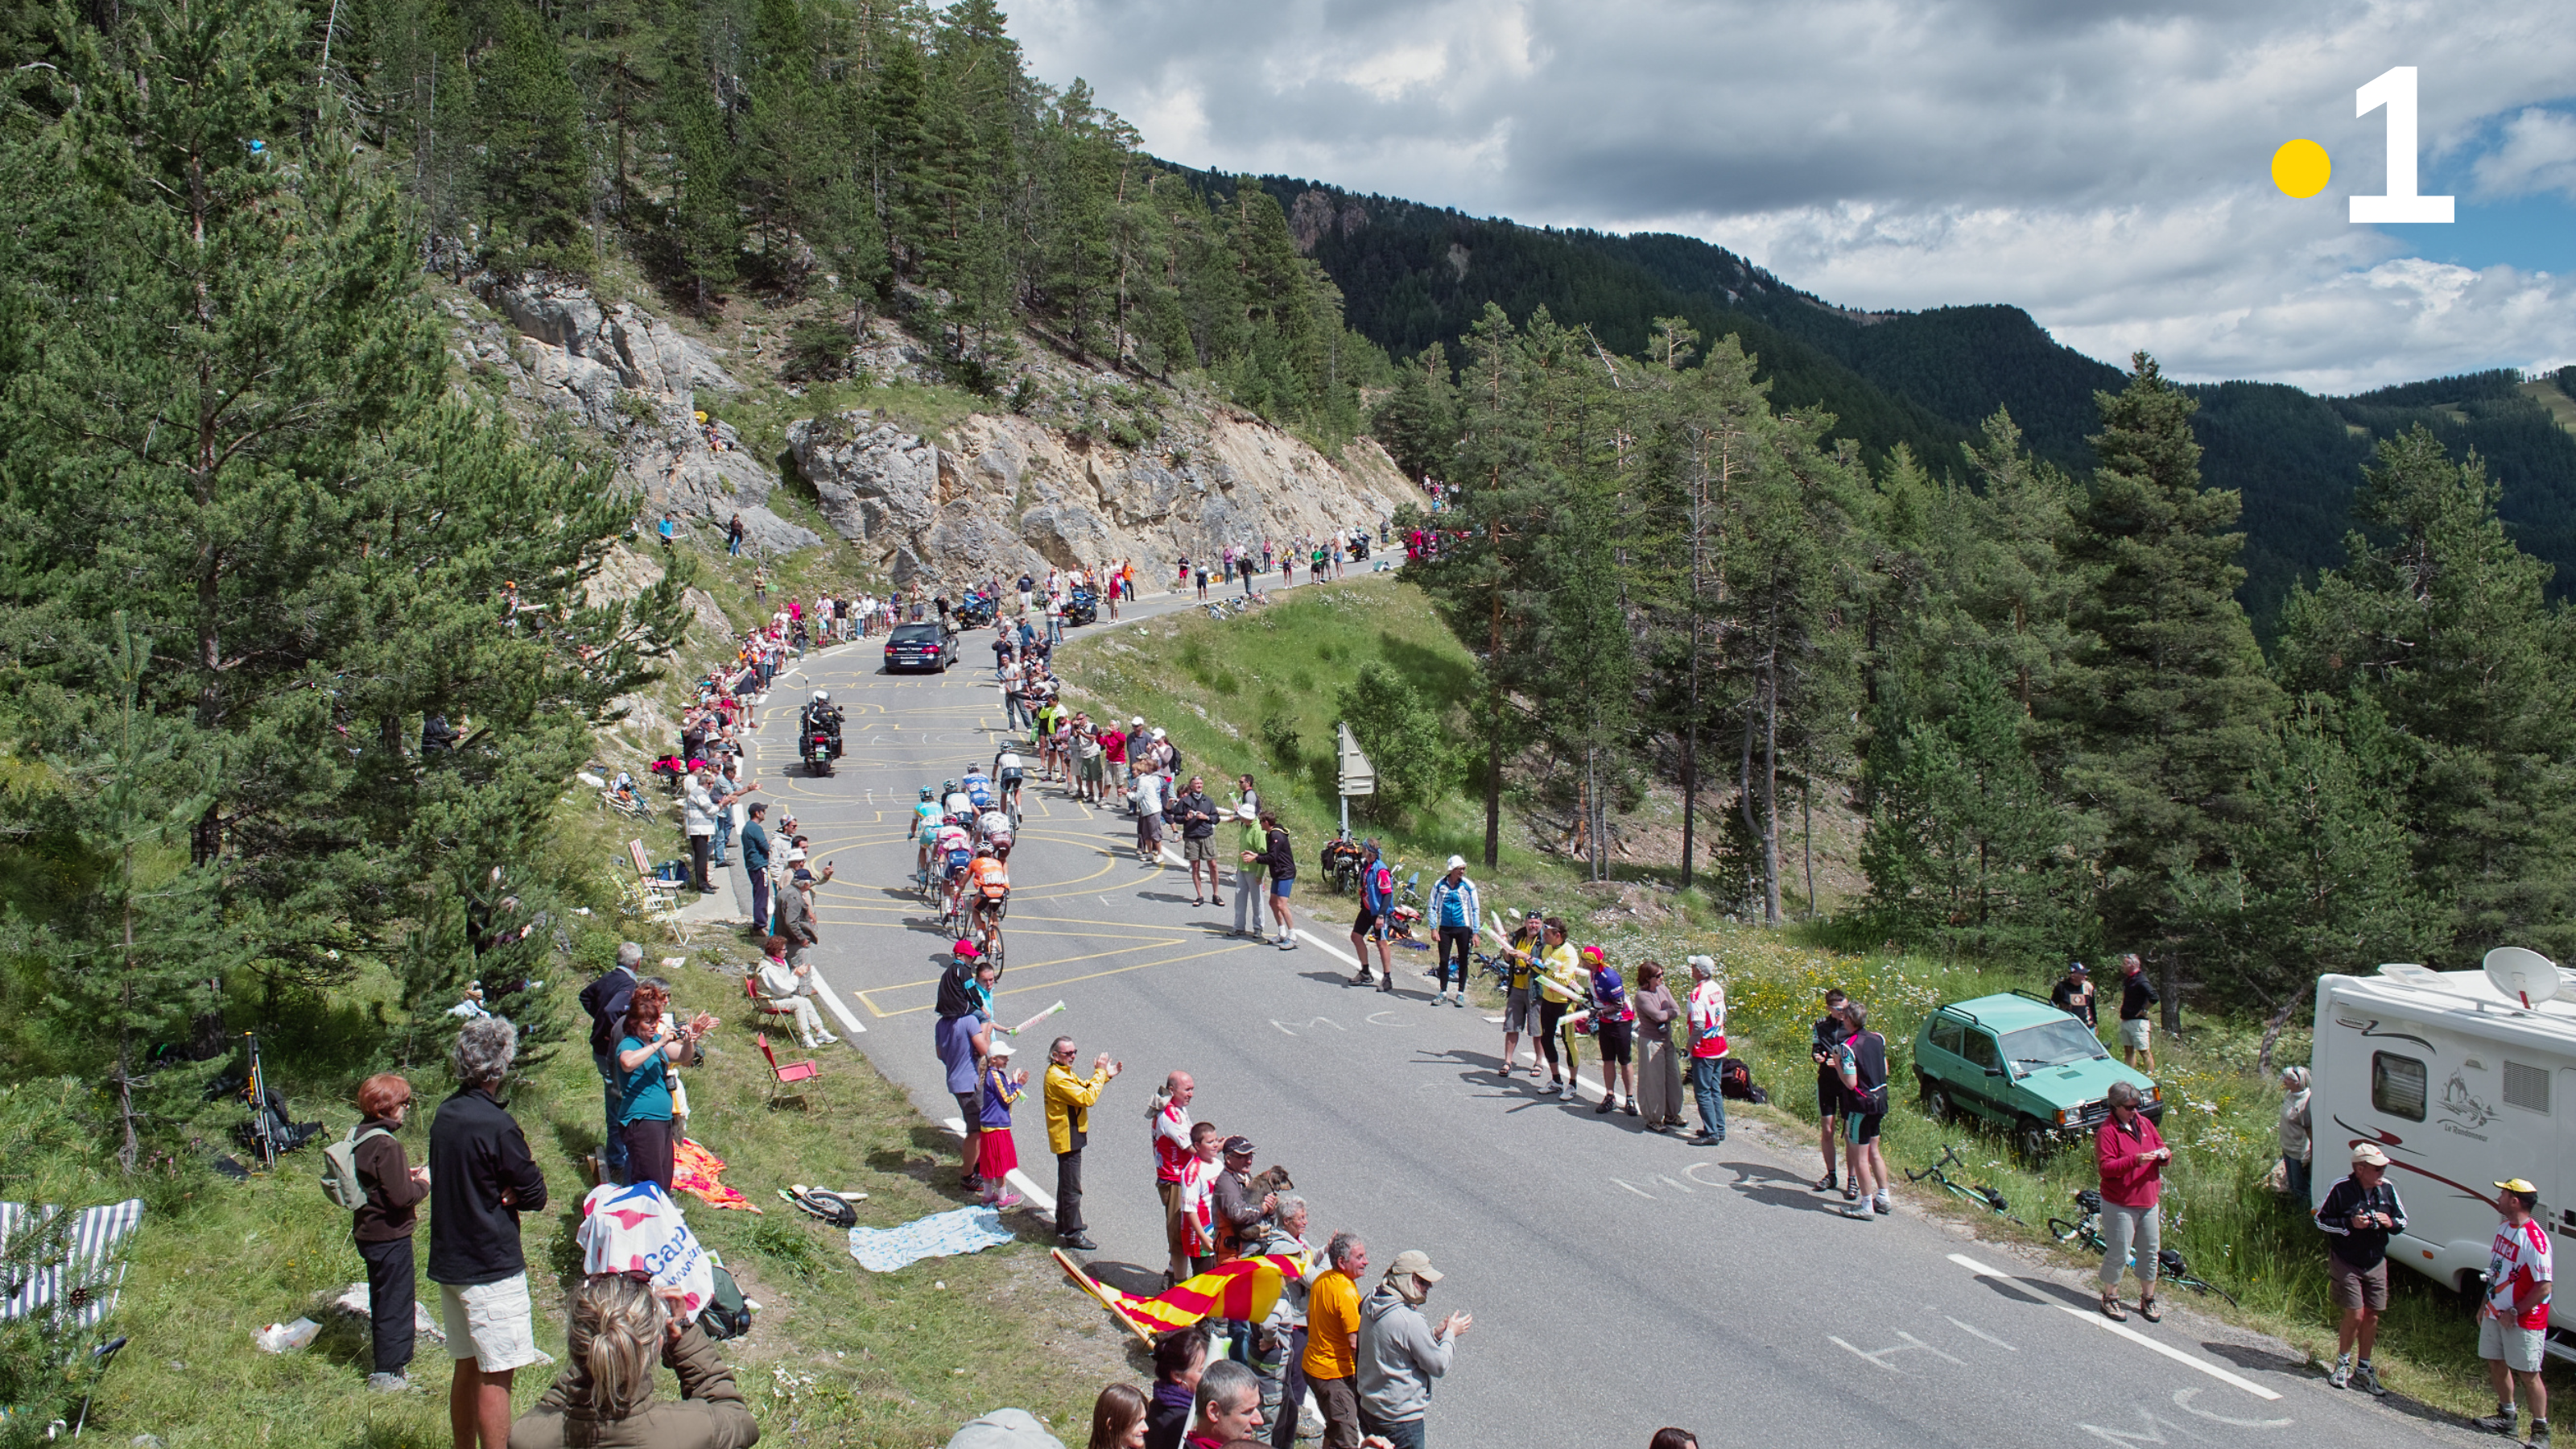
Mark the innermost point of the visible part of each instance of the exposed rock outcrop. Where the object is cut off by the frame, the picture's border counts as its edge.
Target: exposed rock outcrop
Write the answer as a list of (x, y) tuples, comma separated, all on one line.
[(1011, 494)]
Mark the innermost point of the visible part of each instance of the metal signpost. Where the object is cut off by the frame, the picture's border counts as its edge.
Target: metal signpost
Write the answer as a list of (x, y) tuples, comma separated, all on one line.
[(1359, 777)]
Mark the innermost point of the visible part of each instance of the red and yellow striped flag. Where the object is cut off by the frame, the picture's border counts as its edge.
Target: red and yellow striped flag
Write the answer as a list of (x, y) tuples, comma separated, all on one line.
[(1244, 1289)]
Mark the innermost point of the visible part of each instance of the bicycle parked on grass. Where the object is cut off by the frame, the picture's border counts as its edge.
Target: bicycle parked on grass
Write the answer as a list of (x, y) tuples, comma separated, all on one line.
[(2086, 1231), (1978, 1193)]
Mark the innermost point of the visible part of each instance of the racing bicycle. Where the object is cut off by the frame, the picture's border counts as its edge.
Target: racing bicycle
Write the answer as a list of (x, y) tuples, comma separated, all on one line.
[(2086, 1231), (1978, 1193)]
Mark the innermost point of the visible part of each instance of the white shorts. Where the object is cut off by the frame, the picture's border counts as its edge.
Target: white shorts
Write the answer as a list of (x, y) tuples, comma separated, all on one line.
[(2134, 1034), (2518, 1347), (491, 1323)]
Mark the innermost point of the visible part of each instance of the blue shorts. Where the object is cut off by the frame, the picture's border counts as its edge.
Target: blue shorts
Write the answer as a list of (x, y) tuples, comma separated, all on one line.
[(958, 860), (1280, 888)]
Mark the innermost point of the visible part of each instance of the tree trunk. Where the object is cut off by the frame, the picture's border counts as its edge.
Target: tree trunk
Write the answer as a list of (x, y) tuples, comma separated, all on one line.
[(1771, 796), (2169, 985)]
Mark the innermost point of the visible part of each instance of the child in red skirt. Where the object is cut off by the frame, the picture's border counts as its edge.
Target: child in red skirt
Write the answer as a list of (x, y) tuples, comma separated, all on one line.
[(995, 1153)]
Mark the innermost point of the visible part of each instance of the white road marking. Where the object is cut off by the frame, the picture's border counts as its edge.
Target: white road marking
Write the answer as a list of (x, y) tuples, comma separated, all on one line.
[(1038, 1197), (832, 1002), (1632, 1187), (1329, 949), (2202, 1364), (1311, 1022), (1975, 1331), (2183, 1401), (2177, 1355), (1879, 1357), (1660, 1177), (1374, 1015)]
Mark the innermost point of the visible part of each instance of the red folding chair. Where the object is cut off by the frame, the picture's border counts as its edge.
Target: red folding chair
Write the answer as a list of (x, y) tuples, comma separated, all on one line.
[(762, 1004), (781, 1076)]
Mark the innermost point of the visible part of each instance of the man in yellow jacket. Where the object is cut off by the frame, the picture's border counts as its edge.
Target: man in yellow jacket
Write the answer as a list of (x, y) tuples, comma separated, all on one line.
[(1068, 1116)]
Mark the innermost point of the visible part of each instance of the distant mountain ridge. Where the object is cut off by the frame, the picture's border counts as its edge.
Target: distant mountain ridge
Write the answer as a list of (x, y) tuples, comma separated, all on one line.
[(1412, 274)]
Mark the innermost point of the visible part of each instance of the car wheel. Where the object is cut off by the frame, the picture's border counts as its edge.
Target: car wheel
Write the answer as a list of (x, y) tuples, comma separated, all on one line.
[(1936, 1101), (2031, 1141)]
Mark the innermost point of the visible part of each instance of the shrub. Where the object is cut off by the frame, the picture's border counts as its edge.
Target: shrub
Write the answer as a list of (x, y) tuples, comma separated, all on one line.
[(1416, 763)]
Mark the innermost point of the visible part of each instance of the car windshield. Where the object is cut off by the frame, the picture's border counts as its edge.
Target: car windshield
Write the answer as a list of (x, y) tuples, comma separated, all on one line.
[(915, 634), (2051, 1045)]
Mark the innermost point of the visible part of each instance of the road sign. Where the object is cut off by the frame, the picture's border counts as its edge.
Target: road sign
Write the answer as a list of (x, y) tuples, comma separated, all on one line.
[(1359, 777)]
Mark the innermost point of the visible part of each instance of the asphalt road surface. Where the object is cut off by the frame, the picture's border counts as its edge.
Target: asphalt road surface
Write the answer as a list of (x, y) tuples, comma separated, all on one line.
[(1619, 1280)]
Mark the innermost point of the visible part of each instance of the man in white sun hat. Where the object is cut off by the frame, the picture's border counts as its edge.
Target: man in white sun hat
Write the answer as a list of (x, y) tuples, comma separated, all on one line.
[(1454, 908)]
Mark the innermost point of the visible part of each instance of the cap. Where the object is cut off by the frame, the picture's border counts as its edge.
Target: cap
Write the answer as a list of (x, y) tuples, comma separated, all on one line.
[(2077, 967), (1457, 862), (2368, 1152), (2519, 1185), (1701, 963), (966, 950), (802, 876), (999, 1049), (1158, 732), (1590, 953), (1238, 1146), (1415, 1263), (1004, 1429), (1138, 721)]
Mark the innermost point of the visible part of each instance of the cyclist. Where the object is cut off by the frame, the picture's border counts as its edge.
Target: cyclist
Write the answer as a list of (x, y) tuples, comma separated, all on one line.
[(924, 828), (991, 880), (978, 789), (955, 801), (994, 829), (1011, 770), (955, 850)]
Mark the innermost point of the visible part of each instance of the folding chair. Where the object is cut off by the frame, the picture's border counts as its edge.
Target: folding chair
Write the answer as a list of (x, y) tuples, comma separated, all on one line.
[(763, 1006), (654, 885), (781, 1076)]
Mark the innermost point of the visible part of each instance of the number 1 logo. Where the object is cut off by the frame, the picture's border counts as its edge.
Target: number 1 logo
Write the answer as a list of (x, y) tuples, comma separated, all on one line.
[(2395, 90)]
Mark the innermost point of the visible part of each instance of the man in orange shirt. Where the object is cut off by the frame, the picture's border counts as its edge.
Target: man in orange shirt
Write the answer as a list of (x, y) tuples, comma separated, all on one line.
[(1331, 1364)]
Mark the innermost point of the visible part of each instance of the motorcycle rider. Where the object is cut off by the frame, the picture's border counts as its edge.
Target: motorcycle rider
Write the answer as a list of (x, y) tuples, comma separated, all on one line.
[(820, 717)]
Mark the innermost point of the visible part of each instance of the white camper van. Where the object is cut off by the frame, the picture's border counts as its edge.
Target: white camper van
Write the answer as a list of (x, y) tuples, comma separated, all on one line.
[(2464, 1078)]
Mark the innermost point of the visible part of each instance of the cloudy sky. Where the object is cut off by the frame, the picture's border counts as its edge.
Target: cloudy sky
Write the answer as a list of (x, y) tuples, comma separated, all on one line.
[(2105, 166)]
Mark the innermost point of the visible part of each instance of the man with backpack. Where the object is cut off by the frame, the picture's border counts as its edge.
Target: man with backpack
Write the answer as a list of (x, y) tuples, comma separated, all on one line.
[(1862, 1059), (1377, 896)]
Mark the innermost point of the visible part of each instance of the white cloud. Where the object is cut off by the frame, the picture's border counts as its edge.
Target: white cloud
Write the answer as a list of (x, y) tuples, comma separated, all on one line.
[(2106, 170), (2538, 154)]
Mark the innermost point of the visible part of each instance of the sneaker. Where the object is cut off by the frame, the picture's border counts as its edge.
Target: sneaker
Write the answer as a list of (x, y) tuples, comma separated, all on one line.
[(2502, 1421), (1880, 1205), (388, 1383), (2539, 1435), (1007, 1200), (1566, 1092), (1287, 943), (827, 1039), (2366, 1378), (1706, 1139), (1363, 979), (1858, 1213), (1631, 1108), (2340, 1376), (1826, 1183), (1608, 1106)]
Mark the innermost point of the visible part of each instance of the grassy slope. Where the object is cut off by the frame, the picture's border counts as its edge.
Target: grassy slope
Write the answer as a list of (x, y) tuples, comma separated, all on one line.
[(1213, 682)]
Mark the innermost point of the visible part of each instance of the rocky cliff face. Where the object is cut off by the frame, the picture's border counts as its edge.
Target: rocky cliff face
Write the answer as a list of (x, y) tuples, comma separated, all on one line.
[(996, 494), (1007, 494)]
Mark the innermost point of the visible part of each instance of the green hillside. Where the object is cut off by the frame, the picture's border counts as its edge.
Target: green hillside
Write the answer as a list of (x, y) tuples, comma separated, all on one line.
[(1411, 275)]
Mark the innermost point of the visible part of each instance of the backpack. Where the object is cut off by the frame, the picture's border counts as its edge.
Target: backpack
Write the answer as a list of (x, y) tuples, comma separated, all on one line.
[(726, 1314), (1735, 1079), (340, 1168)]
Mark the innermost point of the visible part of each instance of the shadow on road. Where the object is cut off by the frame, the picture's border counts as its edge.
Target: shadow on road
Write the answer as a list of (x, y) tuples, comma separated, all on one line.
[(1763, 1183)]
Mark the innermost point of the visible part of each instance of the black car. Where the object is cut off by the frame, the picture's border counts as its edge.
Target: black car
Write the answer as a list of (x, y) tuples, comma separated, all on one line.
[(920, 646), (1081, 607)]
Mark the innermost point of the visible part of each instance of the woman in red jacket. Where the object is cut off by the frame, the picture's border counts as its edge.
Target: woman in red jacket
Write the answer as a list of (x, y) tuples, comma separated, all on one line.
[(2131, 1154)]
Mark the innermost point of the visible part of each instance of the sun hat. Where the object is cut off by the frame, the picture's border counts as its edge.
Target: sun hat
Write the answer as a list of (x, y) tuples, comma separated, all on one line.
[(1246, 811), (1414, 1263), (2368, 1152), (1456, 862)]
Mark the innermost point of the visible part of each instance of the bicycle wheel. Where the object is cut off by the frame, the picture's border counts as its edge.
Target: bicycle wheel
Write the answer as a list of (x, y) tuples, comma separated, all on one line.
[(2203, 1285), (2061, 1229)]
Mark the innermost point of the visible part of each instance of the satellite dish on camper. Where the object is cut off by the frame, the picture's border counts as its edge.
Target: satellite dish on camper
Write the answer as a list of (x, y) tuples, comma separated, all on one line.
[(2524, 976)]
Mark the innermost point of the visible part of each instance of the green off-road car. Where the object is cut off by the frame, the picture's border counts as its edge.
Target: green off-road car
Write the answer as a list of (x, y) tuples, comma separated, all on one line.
[(2019, 1062)]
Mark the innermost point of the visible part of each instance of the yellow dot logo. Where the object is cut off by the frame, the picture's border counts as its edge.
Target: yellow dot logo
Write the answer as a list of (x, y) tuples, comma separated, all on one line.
[(2301, 168)]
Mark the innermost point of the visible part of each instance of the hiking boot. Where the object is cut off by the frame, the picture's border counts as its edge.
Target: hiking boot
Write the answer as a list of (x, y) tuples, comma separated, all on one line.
[(2539, 1435), (2502, 1421), (2340, 1376), (2366, 1378), (1827, 1183), (1851, 1192), (1609, 1104)]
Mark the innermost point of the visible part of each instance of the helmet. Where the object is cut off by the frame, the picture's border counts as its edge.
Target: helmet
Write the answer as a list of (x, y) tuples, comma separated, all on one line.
[(822, 696), (947, 787), (984, 847), (925, 792)]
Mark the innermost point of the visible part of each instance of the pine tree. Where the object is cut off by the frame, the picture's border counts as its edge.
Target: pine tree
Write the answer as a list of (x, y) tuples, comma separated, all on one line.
[(2444, 627), (2167, 700), (1417, 422), (534, 169)]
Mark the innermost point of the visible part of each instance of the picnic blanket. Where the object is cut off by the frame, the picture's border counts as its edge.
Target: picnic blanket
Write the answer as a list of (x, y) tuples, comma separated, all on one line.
[(64, 1273), (639, 1230), (695, 1170), (966, 1230)]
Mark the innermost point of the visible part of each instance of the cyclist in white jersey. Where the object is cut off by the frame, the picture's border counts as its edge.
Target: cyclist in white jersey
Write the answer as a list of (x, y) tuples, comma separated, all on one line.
[(1010, 770), (924, 828)]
